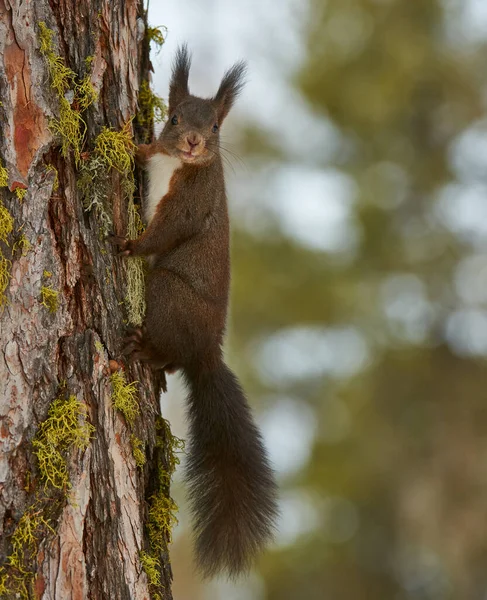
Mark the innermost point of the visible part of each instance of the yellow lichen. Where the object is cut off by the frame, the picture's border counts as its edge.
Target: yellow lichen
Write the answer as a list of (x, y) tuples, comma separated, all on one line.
[(3, 176), (55, 183), (87, 95), (70, 126), (20, 193), (22, 244), (49, 298), (47, 274), (116, 148), (162, 517), (124, 396), (135, 295), (6, 227), (157, 35), (152, 108), (152, 568), (65, 428), (6, 223), (138, 450), (17, 578)]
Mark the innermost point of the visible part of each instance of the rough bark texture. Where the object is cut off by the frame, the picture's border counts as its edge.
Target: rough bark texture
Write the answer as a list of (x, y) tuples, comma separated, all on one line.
[(98, 526)]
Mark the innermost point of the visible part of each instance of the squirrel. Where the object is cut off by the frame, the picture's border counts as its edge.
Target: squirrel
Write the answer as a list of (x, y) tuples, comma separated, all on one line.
[(231, 486)]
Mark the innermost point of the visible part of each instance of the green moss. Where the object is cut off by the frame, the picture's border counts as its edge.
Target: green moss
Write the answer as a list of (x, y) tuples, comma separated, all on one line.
[(157, 35), (152, 568), (87, 95), (138, 450), (3, 176), (116, 149), (70, 126), (113, 150), (152, 108), (135, 294), (17, 577), (6, 223), (55, 184), (22, 244), (124, 396), (64, 429), (162, 517), (20, 193), (49, 298), (99, 346), (172, 446), (6, 227)]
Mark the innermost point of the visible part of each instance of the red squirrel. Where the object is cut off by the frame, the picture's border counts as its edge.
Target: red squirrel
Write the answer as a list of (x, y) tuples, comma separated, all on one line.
[(232, 491)]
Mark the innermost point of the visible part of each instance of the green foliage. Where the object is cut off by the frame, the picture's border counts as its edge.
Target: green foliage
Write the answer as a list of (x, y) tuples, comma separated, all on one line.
[(124, 396), (395, 110), (65, 428), (138, 450), (49, 298)]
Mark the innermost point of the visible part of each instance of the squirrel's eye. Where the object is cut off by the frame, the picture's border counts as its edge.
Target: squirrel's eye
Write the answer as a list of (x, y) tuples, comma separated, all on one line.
[(214, 128), (174, 120)]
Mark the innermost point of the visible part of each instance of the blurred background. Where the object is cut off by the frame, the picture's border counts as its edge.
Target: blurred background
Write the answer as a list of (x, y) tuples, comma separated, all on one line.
[(357, 176)]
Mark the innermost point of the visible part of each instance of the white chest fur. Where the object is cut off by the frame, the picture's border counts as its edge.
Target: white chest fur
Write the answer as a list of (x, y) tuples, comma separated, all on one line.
[(160, 169)]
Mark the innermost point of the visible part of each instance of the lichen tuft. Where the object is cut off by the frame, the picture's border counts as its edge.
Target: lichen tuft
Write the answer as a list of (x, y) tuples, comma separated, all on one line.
[(124, 396), (152, 568), (72, 95), (49, 298), (65, 428), (3, 176), (138, 450)]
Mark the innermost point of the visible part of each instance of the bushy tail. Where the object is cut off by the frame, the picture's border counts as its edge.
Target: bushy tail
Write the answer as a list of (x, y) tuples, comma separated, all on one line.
[(232, 491)]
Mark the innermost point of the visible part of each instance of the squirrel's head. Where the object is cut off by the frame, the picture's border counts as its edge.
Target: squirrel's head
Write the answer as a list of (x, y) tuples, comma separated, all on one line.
[(192, 131)]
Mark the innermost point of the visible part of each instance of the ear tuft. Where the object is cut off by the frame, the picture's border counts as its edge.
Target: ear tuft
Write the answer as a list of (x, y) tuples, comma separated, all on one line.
[(230, 87), (178, 88)]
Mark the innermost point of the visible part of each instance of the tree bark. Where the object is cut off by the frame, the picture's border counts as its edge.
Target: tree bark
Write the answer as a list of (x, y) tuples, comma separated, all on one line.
[(63, 316)]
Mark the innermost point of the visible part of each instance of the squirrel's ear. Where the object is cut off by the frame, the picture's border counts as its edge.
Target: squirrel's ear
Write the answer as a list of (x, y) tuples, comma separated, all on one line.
[(178, 88), (230, 87)]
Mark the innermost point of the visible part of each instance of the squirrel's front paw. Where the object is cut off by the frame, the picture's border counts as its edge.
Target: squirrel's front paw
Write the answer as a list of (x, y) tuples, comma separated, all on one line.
[(124, 246)]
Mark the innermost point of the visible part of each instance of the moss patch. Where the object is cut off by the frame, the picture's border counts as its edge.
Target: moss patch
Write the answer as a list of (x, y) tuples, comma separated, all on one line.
[(124, 396), (157, 35), (65, 428), (73, 96), (6, 227), (49, 298), (138, 450), (3, 176), (18, 578), (152, 109)]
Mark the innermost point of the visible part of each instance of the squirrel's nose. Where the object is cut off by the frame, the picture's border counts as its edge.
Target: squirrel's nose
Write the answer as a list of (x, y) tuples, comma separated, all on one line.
[(193, 139)]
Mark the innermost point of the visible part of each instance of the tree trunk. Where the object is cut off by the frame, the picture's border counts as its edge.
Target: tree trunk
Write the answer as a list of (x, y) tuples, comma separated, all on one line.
[(81, 515)]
